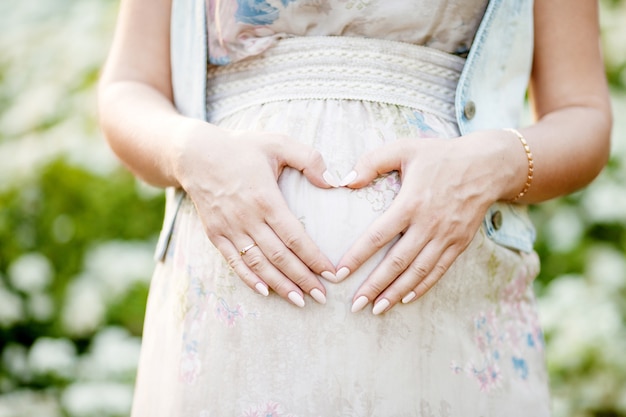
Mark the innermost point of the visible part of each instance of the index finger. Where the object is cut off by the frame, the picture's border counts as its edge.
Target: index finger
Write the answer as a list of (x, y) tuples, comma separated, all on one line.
[(293, 234), (382, 231)]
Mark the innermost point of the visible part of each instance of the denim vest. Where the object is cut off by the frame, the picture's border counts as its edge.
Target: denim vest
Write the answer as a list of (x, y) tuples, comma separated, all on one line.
[(490, 95)]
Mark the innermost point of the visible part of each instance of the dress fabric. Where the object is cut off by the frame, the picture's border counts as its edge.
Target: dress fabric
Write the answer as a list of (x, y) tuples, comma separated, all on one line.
[(341, 76)]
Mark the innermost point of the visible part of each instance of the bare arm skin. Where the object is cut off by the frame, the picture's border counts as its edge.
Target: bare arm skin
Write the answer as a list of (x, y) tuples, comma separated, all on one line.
[(448, 185), (230, 176)]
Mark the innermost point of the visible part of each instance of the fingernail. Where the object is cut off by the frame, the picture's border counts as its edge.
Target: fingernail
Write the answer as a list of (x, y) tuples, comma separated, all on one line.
[(296, 298), (318, 296), (359, 304), (342, 273), (407, 298), (380, 306), (262, 289), (329, 276), (330, 179), (348, 179)]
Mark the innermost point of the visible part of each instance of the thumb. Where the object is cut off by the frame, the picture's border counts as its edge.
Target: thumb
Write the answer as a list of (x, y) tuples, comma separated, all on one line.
[(373, 164), (311, 163)]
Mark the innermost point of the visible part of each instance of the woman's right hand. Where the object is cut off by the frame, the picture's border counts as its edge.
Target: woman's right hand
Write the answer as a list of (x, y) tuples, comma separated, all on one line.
[(232, 180)]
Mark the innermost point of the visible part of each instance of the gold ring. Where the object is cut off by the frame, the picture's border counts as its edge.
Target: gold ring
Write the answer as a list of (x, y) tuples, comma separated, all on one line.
[(247, 248)]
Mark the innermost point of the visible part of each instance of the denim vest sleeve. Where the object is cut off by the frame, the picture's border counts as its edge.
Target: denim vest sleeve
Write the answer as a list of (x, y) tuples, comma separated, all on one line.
[(491, 94), (188, 57)]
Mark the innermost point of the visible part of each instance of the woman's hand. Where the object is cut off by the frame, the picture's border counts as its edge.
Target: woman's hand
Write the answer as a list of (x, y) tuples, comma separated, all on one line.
[(233, 184), (447, 186)]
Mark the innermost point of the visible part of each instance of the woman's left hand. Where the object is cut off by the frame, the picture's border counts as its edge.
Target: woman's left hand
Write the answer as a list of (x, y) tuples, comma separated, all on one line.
[(447, 186)]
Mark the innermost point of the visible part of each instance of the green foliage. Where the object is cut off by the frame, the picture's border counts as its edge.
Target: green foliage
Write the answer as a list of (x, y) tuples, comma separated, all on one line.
[(62, 214)]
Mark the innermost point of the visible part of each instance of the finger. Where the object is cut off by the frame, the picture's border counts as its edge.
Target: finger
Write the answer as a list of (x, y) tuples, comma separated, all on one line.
[(409, 278), (393, 265), (442, 266), (235, 261), (308, 161), (375, 163), (292, 233), (384, 229), (432, 262), (288, 263), (283, 286), (250, 266)]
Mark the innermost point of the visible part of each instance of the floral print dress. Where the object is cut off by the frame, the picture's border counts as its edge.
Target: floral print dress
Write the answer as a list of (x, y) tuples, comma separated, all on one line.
[(212, 347)]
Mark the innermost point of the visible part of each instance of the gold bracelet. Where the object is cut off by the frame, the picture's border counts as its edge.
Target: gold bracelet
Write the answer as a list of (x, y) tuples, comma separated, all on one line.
[(531, 164)]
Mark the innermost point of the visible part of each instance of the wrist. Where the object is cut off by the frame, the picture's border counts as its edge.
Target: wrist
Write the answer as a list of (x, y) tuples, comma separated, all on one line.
[(530, 161), (506, 159), (193, 144)]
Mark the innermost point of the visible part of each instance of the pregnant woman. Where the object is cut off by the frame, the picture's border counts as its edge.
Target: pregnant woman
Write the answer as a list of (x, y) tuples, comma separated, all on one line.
[(346, 231)]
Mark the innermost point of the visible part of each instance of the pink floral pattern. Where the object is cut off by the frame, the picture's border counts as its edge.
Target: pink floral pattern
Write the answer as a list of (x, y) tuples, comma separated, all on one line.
[(381, 192), (228, 315), (269, 409), (204, 305), (505, 334)]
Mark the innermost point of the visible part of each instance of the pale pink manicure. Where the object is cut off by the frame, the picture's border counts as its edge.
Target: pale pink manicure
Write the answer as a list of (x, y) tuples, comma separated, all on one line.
[(262, 289), (296, 298), (330, 179), (380, 306), (329, 276), (348, 179), (359, 304), (342, 273), (409, 297), (318, 296)]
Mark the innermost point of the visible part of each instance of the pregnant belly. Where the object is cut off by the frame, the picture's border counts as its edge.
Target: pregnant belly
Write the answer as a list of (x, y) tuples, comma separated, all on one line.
[(335, 218), (342, 131)]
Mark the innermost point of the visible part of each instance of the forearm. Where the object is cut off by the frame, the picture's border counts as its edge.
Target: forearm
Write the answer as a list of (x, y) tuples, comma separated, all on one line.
[(145, 130), (570, 99), (569, 147), (135, 94)]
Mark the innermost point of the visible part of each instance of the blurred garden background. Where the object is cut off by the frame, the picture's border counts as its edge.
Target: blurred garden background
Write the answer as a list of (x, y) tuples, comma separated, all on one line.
[(77, 234)]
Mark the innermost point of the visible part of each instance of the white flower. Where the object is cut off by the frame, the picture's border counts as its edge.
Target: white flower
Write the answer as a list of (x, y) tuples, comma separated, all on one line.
[(40, 306), (111, 269), (15, 361), (605, 201), (31, 107), (580, 319), (52, 356), (91, 399), (31, 272), (114, 353), (606, 267), (564, 229), (118, 265), (84, 308), (561, 406), (29, 403), (11, 308), (81, 145), (50, 52)]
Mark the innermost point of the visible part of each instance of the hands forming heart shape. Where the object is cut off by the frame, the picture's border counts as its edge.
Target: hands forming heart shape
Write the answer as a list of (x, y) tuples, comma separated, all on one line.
[(447, 186)]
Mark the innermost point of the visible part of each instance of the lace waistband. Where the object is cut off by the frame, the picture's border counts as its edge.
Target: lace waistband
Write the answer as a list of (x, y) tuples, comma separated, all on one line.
[(337, 68)]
